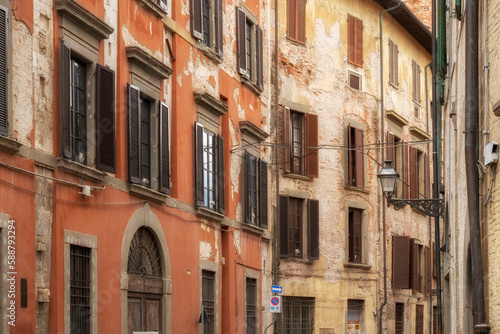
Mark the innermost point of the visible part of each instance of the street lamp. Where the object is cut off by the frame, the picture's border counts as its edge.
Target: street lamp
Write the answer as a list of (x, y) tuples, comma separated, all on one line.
[(388, 178)]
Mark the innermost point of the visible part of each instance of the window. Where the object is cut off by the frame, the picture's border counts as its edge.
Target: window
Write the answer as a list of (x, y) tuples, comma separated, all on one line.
[(300, 142), (4, 73), (355, 161), (400, 319), (355, 235), (256, 191), (299, 228), (206, 23), (416, 83), (355, 316), (251, 307), (208, 300), (434, 320), (297, 316), (395, 147), (80, 289), (354, 41), (393, 63), (419, 319), (296, 20), (410, 265), (418, 174), (250, 49), (354, 80)]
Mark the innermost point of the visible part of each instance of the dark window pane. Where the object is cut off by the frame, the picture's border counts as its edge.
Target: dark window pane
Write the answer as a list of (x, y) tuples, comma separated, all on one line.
[(208, 299), (79, 290)]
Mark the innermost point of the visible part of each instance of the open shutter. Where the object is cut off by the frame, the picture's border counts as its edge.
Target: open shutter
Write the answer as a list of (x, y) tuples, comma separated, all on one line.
[(400, 262), (313, 229), (404, 169), (312, 145), (283, 221), (248, 162), (164, 149), (427, 181), (427, 255), (359, 42), (360, 160), (219, 19), (198, 133), (221, 203), (134, 135), (390, 148), (260, 58), (292, 19), (65, 88), (350, 156), (287, 159), (301, 21), (4, 106), (241, 19), (413, 173), (196, 19), (413, 265), (263, 194), (105, 119)]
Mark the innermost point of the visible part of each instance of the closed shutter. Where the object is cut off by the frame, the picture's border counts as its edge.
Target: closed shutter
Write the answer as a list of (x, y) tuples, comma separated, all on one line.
[(65, 91), (434, 269), (413, 173), (350, 156), (164, 149), (196, 19), (4, 71), (301, 21), (248, 210), (391, 62), (351, 39), (287, 159), (263, 194), (221, 203), (134, 135), (359, 43), (427, 255), (313, 226), (395, 55), (312, 145), (426, 176), (292, 19), (400, 262), (198, 134), (359, 157), (414, 79), (283, 221), (404, 169), (241, 19), (418, 84), (414, 265), (105, 119), (219, 20), (260, 58), (390, 148)]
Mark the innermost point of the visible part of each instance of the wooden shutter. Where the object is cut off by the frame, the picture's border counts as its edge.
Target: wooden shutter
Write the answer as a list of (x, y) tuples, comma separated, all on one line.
[(105, 119), (292, 19), (350, 155), (301, 21), (287, 159), (413, 173), (248, 184), (355, 235), (391, 61), (427, 255), (241, 20), (134, 134), (418, 84), (359, 43), (221, 203), (390, 151), (404, 169), (313, 226), (427, 181), (65, 92), (263, 194), (414, 265), (395, 55), (196, 19), (4, 61), (164, 148), (219, 20), (400, 262), (260, 58), (434, 270), (359, 157), (312, 145), (414, 79), (351, 39), (283, 221), (198, 134)]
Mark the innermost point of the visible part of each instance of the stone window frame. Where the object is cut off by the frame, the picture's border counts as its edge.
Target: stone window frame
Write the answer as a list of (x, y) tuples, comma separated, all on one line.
[(358, 125), (89, 241), (160, 9), (214, 267), (365, 250), (356, 74), (4, 300), (254, 274)]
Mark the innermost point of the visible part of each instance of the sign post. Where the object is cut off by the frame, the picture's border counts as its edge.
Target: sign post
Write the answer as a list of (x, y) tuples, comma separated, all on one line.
[(275, 304)]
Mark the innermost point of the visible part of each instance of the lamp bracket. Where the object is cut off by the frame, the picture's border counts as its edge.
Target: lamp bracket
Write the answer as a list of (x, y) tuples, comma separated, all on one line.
[(429, 207)]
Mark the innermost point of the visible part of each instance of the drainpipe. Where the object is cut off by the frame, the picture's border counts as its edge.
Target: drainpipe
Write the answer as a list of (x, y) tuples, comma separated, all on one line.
[(428, 186), (276, 151), (486, 72), (471, 157), (384, 246)]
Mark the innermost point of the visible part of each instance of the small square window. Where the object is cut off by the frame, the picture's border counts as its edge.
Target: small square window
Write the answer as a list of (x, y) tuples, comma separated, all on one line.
[(354, 80)]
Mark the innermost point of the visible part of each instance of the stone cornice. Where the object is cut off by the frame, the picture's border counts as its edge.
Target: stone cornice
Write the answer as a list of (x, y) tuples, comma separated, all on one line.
[(248, 128), (396, 118), (211, 103), (150, 63)]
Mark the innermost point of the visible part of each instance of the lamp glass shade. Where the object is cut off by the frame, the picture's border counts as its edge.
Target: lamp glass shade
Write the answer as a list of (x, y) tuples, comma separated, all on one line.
[(388, 178)]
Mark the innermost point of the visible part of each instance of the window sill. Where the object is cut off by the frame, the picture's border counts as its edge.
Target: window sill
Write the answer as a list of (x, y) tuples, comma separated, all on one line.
[(251, 85), (252, 229), (364, 190), (297, 176), (154, 8), (146, 193), (80, 170), (357, 65), (209, 214), (358, 266), (209, 53), (295, 42), (394, 85), (9, 145), (297, 260)]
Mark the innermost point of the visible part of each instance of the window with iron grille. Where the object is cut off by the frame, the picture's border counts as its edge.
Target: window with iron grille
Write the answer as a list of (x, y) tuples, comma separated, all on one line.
[(80, 290), (251, 306), (297, 316), (400, 319), (419, 320), (208, 300), (354, 315)]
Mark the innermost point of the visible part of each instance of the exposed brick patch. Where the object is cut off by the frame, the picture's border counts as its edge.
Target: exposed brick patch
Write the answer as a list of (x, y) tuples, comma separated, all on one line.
[(422, 9)]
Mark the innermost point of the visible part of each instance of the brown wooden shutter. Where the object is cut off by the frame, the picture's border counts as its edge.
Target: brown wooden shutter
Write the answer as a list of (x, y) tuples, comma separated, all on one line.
[(395, 54), (241, 20), (4, 71), (292, 19), (283, 225), (434, 270), (260, 58), (427, 255), (221, 203), (390, 148), (400, 262), (414, 79), (418, 84), (248, 183), (350, 155), (134, 135), (312, 145), (65, 92), (391, 62), (359, 43), (355, 233), (427, 181), (404, 169), (301, 21), (287, 159), (313, 226), (351, 39), (414, 265), (359, 157), (164, 149), (196, 16), (199, 195), (263, 194), (219, 20), (105, 119), (413, 173)]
